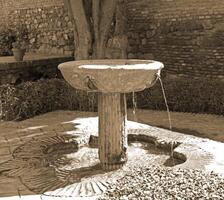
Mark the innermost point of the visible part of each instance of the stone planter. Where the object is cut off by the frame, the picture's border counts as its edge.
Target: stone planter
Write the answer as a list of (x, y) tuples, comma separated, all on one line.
[(18, 54)]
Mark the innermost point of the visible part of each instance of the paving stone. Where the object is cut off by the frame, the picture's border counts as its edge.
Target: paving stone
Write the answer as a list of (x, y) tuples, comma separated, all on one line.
[(4, 158), (12, 136), (25, 192), (4, 143), (4, 151), (10, 186), (14, 141), (203, 125), (2, 139)]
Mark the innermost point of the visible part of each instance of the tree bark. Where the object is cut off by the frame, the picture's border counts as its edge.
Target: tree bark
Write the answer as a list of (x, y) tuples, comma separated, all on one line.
[(83, 43), (102, 15), (108, 9)]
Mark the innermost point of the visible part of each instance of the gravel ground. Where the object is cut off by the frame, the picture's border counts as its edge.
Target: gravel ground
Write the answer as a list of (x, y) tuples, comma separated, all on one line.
[(156, 182)]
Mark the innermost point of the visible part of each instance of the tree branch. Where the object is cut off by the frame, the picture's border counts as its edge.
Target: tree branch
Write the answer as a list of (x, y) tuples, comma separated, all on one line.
[(107, 13), (95, 15), (84, 43)]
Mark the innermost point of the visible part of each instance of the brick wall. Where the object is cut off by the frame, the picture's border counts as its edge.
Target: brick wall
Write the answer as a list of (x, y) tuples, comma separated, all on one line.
[(188, 36)]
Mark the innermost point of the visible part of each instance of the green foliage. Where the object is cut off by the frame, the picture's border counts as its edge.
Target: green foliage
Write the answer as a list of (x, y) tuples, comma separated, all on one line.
[(33, 98), (7, 37), (16, 37), (21, 37), (183, 95)]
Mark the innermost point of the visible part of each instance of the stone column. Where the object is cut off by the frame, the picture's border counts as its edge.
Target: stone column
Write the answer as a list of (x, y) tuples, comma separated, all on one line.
[(112, 113)]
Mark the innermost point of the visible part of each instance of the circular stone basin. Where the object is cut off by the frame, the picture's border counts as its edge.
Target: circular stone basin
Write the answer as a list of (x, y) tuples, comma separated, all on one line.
[(111, 75)]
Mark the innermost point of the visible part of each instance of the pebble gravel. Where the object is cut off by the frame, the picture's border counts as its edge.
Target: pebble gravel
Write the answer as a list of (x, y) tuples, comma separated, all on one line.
[(162, 183)]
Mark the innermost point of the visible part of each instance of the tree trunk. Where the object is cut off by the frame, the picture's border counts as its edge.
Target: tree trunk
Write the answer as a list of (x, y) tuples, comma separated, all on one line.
[(99, 50), (102, 15)]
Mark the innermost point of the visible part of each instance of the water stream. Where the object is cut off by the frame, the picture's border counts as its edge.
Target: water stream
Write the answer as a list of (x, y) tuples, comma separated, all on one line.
[(169, 117), (165, 99)]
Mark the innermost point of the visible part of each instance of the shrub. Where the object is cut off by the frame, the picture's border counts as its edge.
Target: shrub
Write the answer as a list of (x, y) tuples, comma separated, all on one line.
[(33, 98), (21, 37), (183, 95), (7, 37)]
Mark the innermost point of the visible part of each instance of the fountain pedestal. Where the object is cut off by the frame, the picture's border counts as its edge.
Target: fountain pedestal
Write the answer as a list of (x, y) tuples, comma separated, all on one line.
[(111, 79), (112, 113)]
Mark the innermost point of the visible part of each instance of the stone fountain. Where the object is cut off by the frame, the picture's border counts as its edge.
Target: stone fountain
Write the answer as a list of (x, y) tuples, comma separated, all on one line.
[(112, 79)]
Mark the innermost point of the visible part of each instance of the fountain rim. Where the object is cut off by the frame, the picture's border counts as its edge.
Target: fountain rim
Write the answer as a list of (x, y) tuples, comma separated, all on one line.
[(112, 64)]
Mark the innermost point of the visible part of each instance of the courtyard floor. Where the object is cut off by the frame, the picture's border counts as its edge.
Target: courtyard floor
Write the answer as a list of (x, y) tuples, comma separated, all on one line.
[(201, 154), (201, 125)]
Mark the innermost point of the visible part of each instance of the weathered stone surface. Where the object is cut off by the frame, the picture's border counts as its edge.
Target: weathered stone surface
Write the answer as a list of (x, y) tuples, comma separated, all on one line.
[(111, 76), (46, 26), (113, 141)]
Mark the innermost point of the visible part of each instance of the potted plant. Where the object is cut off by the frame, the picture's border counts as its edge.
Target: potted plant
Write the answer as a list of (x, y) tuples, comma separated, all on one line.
[(19, 50), (20, 44), (7, 37)]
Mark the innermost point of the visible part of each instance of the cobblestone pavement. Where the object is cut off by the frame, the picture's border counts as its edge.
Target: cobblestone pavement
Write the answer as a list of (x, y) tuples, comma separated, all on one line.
[(200, 153)]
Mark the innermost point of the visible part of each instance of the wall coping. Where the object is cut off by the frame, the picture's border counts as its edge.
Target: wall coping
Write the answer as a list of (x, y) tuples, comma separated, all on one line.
[(33, 67), (31, 60)]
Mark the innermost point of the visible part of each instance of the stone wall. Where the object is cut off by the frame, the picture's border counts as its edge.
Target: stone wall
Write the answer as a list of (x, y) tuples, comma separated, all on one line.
[(10, 5), (48, 24), (2, 13), (50, 29), (188, 36)]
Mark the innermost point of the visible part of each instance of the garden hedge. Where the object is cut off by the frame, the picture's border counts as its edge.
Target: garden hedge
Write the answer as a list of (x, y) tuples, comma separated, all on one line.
[(29, 99), (18, 102)]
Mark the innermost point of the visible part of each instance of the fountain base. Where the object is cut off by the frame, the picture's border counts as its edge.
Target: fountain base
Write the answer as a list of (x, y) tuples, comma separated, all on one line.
[(112, 130)]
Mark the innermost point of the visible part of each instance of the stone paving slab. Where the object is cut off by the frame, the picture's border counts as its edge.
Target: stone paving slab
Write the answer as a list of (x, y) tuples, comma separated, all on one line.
[(202, 125), (200, 153)]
